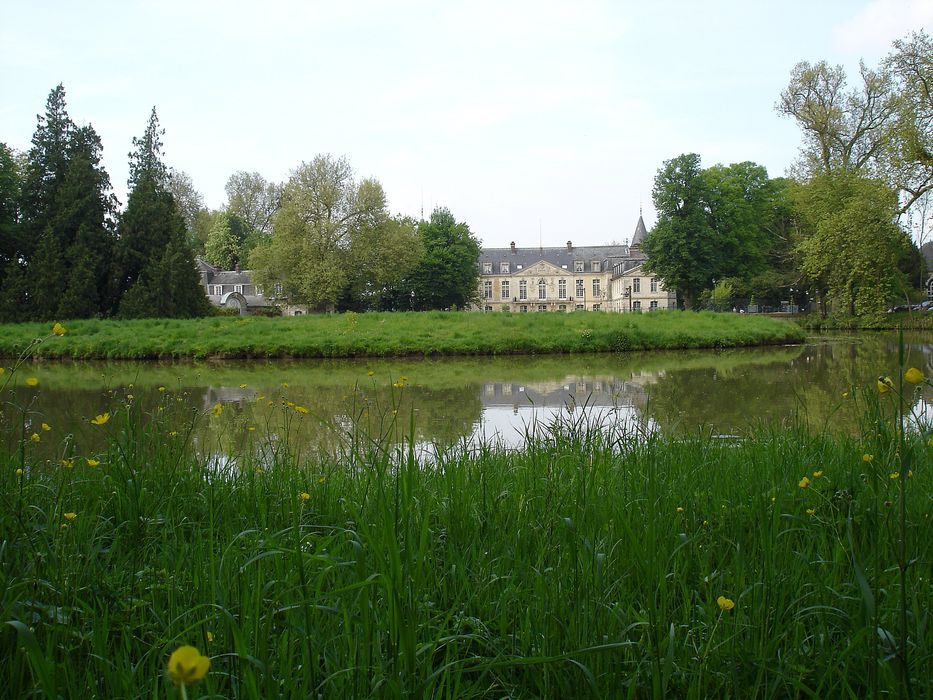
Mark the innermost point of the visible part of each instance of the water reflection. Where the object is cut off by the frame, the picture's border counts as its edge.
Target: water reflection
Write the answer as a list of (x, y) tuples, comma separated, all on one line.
[(349, 407)]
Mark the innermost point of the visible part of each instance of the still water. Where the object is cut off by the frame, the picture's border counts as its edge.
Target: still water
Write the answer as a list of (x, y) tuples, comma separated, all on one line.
[(336, 405)]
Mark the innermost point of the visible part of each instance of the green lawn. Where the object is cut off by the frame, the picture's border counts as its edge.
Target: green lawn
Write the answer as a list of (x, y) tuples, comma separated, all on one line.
[(397, 334)]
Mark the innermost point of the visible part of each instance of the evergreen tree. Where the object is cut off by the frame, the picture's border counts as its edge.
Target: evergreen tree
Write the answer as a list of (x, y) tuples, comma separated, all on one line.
[(155, 272), (10, 244)]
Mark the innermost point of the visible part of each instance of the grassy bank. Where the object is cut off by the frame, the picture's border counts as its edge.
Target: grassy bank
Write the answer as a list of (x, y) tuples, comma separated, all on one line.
[(392, 335), (590, 564), (906, 320)]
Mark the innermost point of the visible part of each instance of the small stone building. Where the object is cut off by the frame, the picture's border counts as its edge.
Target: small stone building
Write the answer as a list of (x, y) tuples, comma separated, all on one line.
[(234, 289)]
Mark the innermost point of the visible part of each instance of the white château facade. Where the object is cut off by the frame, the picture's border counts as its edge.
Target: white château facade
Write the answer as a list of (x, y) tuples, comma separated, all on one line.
[(583, 278)]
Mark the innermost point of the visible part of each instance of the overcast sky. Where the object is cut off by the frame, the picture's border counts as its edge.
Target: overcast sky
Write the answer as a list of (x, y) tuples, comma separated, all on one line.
[(523, 118)]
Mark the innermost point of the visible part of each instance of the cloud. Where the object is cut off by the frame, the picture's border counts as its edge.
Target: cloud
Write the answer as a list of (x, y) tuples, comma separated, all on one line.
[(879, 23)]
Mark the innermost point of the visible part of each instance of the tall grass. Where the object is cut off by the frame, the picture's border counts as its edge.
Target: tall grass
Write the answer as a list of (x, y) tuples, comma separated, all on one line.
[(400, 334), (588, 564)]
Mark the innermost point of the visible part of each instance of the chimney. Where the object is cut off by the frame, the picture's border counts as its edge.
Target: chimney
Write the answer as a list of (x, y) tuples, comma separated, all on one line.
[(513, 247), (569, 245), (237, 267)]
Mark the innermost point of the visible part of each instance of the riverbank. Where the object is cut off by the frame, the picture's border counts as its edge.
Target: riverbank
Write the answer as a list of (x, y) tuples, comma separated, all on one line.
[(592, 563), (906, 320), (397, 335)]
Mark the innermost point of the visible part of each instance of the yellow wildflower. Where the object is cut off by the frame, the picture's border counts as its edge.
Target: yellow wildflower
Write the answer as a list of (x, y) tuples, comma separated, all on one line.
[(68, 462), (725, 604), (370, 373), (242, 386), (101, 419), (818, 474), (46, 427), (867, 457), (210, 636), (679, 509), (186, 665), (19, 472), (845, 394), (2, 370), (884, 384), (284, 385), (35, 437), (32, 381), (70, 516), (300, 409), (161, 389), (913, 376), (217, 410), (92, 462), (894, 475), (58, 329), (305, 496), (252, 428), (811, 511), (804, 482), (173, 433), (129, 397)]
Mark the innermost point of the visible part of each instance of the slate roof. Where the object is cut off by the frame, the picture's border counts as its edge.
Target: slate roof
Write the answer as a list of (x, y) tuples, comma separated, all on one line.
[(526, 257), (640, 232)]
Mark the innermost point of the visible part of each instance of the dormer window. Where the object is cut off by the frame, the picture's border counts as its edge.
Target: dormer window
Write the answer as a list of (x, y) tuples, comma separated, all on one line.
[(578, 266), (503, 268), (594, 266), (218, 290), (238, 288)]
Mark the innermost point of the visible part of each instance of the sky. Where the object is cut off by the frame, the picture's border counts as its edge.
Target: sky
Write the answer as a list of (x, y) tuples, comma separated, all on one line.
[(532, 121)]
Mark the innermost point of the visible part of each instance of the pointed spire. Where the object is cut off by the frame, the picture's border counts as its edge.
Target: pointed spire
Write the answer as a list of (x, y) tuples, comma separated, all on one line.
[(640, 231)]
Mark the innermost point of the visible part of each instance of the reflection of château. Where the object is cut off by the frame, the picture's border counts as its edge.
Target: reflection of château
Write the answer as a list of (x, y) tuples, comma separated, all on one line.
[(583, 278), (605, 392)]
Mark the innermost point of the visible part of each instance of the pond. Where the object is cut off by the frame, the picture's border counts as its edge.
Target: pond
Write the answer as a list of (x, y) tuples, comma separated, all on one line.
[(263, 406)]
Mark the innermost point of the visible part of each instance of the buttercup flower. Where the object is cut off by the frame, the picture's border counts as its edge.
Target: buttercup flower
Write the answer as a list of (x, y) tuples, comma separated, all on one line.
[(679, 509), (305, 496), (210, 636), (186, 665), (46, 427), (242, 386), (913, 376), (58, 329), (161, 389), (70, 516), (867, 457), (68, 462), (725, 604), (884, 384), (92, 462), (804, 482), (894, 475), (19, 472), (301, 409), (32, 381), (217, 410), (817, 474), (811, 511), (35, 437), (101, 419)]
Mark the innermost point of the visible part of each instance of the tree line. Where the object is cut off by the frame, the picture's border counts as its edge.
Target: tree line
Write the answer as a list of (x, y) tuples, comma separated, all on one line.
[(66, 252), (845, 228), (323, 238)]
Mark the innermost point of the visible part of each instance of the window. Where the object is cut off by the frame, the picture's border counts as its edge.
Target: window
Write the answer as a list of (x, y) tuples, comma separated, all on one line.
[(595, 288), (653, 306), (278, 288), (297, 313), (636, 306), (487, 289), (594, 266), (596, 307), (518, 267), (561, 289), (487, 308), (636, 285), (579, 289), (258, 290), (562, 307), (578, 266), (654, 284), (542, 289), (523, 290), (523, 308), (503, 268), (580, 307), (218, 289), (505, 290), (487, 268), (542, 307), (238, 288)]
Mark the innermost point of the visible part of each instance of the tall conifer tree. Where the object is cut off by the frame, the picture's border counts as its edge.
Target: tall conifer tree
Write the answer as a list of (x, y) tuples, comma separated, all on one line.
[(155, 271)]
